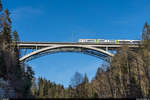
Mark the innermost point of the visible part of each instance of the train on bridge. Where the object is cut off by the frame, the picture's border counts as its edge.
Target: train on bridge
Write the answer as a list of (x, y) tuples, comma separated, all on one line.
[(109, 41)]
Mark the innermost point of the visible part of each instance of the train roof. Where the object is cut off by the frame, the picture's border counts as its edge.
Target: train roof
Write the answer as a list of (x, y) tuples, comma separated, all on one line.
[(111, 39)]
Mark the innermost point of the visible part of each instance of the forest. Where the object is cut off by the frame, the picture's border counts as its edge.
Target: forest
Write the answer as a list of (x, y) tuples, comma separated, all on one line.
[(126, 76)]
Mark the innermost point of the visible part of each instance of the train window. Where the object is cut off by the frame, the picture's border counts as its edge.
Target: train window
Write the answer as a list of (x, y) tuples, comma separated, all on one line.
[(90, 40), (125, 41), (121, 41), (101, 40), (136, 41), (112, 41)]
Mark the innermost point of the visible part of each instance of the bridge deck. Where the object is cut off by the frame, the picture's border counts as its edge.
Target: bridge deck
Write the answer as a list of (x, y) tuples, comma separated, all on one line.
[(94, 49), (33, 45), (76, 43)]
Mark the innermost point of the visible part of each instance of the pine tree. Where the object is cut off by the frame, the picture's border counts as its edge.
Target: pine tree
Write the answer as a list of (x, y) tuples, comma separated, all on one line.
[(99, 70), (45, 88), (34, 88), (70, 92), (40, 83), (85, 87), (146, 32), (11, 69), (6, 32), (15, 36), (85, 79)]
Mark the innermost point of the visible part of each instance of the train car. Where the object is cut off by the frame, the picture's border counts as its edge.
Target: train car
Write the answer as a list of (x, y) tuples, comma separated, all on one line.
[(129, 41), (108, 41), (96, 41)]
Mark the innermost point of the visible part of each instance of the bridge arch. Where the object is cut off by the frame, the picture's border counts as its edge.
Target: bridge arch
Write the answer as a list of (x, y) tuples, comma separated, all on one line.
[(97, 52)]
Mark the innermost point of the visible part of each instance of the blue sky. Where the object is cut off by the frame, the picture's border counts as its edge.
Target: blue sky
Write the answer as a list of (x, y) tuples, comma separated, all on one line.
[(59, 20)]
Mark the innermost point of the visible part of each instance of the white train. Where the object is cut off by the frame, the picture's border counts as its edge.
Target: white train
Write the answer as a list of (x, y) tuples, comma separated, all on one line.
[(108, 41)]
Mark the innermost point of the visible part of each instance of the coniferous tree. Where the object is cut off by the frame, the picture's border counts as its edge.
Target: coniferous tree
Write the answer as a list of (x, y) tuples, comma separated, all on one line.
[(84, 88), (34, 88), (11, 69), (146, 32), (70, 92), (15, 36)]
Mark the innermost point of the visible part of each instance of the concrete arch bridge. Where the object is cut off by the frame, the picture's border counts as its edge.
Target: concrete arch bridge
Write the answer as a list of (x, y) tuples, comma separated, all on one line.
[(38, 49)]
